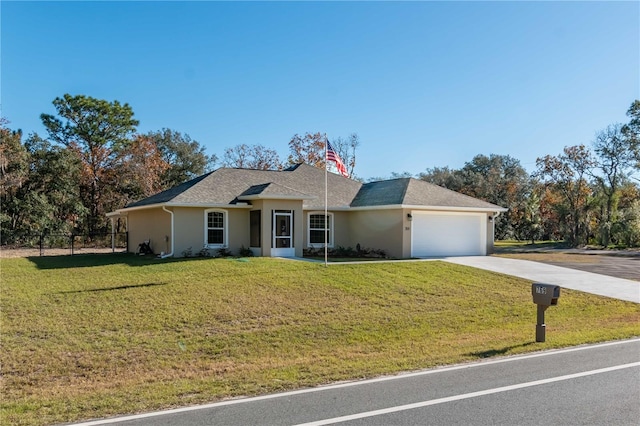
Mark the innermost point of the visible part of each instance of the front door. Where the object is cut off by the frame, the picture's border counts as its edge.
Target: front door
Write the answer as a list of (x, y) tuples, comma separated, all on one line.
[(282, 244)]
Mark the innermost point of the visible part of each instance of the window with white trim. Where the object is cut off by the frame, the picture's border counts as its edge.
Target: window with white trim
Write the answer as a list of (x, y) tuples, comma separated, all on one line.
[(215, 228), (316, 229)]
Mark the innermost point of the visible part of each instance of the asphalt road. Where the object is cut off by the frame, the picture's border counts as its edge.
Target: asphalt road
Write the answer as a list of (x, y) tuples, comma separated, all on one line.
[(621, 267), (586, 385)]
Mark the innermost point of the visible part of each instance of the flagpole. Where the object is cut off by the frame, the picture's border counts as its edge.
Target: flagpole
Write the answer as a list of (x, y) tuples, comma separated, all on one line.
[(326, 190)]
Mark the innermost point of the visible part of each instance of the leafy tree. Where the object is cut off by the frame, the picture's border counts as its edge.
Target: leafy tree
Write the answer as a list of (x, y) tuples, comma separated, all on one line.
[(498, 179), (501, 180), (445, 177), (63, 198), (631, 132), (531, 222), (96, 130), (626, 230), (614, 160), (566, 175), (140, 168), (48, 197), (308, 149), (255, 157), (550, 228), (14, 169), (186, 157), (13, 160)]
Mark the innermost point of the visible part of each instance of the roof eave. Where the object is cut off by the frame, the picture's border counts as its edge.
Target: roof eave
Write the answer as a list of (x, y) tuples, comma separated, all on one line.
[(159, 205), (496, 209), (433, 208)]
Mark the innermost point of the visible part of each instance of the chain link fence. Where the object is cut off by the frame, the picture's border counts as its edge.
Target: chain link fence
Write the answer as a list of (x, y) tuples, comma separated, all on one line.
[(56, 244)]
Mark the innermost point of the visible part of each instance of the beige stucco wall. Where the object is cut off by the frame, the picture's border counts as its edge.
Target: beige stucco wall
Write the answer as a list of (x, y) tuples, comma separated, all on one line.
[(238, 229), (342, 231), (189, 226), (149, 224), (387, 229), (379, 229), (188, 229), (268, 206), (406, 234)]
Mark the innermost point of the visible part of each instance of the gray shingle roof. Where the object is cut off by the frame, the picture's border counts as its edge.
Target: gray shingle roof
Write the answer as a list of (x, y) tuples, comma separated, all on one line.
[(227, 186), (381, 193), (273, 190), (414, 192), (421, 193)]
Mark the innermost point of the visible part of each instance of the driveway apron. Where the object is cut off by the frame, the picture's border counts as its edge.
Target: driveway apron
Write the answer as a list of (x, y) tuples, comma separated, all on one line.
[(589, 282)]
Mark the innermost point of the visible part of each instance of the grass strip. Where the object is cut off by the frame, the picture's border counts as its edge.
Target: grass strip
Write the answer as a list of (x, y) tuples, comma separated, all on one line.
[(99, 335)]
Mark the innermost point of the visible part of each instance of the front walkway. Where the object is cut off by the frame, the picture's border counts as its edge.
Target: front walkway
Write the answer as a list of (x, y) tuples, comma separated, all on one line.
[(587, 282)]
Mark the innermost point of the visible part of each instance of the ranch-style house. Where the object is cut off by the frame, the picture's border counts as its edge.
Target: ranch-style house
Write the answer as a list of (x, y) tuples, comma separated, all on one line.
[(280, 213)]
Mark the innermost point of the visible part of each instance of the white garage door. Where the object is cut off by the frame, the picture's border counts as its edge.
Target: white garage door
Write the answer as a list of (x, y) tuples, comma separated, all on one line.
[(448, 234)]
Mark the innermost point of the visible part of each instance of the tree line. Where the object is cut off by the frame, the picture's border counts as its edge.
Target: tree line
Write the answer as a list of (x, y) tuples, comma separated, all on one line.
[(582, 195), (93, 161)]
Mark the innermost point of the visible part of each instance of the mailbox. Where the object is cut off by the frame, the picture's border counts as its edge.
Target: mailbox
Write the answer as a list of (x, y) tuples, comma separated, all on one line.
[(545, 294)]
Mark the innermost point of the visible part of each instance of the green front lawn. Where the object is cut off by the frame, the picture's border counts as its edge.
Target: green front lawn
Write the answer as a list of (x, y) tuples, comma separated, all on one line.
[(93, 336)]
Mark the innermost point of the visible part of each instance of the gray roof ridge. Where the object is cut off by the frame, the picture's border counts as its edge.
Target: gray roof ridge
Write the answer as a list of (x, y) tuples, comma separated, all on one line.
[(389, 180), (405, 188), (248, 169)]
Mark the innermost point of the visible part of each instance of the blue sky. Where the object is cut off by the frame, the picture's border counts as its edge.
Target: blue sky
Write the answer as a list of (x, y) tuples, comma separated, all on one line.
[(424, 84)]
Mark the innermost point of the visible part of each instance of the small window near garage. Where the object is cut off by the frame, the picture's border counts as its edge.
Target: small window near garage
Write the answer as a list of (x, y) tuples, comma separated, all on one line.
[(318, 225), (215, 228)]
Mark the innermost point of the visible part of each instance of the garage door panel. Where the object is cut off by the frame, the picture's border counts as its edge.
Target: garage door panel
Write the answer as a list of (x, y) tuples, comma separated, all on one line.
[(448, 234)]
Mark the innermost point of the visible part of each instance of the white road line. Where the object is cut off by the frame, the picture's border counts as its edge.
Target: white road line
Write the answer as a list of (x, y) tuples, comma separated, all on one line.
[(348, 384), (464, 396)]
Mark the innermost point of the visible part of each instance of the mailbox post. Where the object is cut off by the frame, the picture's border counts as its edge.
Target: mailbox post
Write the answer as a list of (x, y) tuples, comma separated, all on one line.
[(544, 295)]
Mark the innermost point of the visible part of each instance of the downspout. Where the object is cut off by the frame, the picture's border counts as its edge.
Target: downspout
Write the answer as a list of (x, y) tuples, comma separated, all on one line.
[(493, 231), (113, 236), (171, 213)]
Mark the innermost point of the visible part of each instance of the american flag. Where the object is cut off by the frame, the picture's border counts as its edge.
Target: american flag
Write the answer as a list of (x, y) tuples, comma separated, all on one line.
[(332, 155)]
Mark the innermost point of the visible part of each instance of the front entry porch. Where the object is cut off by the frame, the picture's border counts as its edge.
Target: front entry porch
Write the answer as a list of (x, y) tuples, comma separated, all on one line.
[(282, 242)]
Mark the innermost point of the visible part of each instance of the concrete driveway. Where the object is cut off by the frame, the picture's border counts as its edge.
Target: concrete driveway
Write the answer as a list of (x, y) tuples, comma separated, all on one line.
[(589, 282)]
